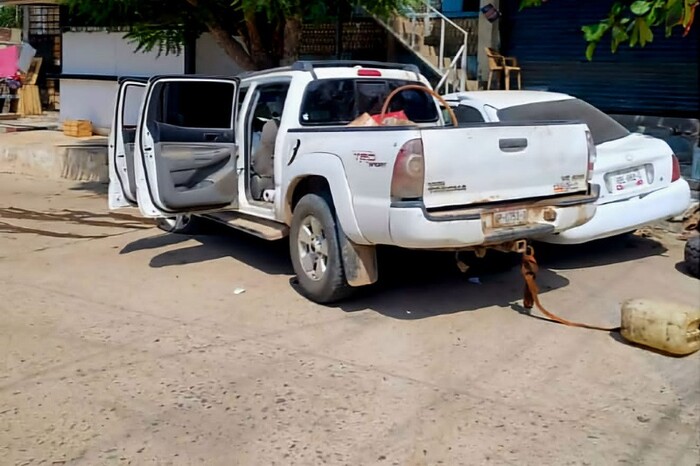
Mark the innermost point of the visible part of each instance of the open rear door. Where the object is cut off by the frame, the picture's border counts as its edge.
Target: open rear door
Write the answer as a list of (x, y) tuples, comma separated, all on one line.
[(122, 174), (186, 153)]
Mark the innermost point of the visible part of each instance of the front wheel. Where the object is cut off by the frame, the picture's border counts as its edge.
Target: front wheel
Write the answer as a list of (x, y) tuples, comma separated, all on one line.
[(184, 224), (315, 251)]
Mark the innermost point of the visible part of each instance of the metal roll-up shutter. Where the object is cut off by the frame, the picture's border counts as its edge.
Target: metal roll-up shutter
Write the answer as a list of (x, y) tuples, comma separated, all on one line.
[(660, 79)]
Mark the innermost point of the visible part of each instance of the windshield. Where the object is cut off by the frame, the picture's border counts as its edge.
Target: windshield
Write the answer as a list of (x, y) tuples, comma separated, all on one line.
[(340, 101), (603, 128)]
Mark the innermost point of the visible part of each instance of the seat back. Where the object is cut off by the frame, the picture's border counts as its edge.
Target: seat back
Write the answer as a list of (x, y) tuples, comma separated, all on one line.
[(263, 157), (496, 60)]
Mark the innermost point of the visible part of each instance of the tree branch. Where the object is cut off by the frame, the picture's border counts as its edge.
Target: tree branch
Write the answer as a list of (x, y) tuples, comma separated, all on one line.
[(231, 46)]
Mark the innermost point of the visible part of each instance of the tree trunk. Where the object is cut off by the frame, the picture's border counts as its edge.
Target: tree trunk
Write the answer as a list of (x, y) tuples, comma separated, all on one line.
[(292, 40), (231, 46), (260, 55)]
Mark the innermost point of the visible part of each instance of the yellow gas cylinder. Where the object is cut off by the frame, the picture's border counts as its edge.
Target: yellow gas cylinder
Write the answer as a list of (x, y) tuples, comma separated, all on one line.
[(668, 327)]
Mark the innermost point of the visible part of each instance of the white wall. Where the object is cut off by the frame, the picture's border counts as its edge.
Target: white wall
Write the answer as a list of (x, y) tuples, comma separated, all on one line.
[(88, 100), (104, 54), (94, 101), (212, 60), (110, 54)]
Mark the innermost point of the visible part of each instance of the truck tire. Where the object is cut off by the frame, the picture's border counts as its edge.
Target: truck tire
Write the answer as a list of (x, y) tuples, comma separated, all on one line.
[(315, 251), (692, 256), (182, 224)]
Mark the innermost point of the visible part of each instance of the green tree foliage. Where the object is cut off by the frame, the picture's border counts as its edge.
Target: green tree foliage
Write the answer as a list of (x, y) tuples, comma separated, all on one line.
[(256, 34), (10, 17), (634, 22)]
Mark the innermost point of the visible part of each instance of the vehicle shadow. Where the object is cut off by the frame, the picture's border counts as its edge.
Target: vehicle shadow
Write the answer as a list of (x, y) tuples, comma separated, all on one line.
[(417, 285), (413, 284), (94, 187), (615, 250), (215, 241)]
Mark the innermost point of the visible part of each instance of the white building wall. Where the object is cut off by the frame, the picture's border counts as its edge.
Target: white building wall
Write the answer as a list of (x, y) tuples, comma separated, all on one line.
[(110, 55), (88, 100), (104, 54)]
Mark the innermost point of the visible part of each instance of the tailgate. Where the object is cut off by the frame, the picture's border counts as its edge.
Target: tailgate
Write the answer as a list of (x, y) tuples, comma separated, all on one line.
[(482, 164)]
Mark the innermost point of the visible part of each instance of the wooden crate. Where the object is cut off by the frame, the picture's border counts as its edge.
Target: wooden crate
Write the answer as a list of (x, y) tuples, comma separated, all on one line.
[(77, 128)]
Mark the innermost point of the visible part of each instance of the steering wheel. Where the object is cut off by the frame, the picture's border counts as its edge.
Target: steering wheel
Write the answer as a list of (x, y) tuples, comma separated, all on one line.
[(417, 87)]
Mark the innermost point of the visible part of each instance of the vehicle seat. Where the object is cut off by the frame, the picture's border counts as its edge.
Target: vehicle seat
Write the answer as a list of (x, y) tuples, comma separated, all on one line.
[(263, 168)]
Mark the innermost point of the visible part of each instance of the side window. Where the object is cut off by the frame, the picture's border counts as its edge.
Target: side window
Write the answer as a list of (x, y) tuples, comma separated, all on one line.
[(466, 114), (196, 104), (329, 102), (133, 96)]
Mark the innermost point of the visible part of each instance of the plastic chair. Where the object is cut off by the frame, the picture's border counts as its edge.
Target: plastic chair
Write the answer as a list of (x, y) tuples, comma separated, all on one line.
[(506, 65)]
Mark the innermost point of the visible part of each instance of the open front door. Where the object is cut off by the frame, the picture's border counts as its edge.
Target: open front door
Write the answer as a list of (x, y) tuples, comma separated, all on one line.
[(122, 172), (186, 153)]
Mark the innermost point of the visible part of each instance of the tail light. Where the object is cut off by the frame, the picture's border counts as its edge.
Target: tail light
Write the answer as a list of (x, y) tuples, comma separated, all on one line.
[(409, 172), (592, 153), (676, 173)]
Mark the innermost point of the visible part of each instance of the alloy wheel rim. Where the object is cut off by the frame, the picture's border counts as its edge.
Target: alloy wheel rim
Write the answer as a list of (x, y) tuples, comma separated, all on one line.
[(313, 248)]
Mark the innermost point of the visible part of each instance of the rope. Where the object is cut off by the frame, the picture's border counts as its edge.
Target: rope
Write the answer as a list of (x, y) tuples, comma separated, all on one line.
[(531, 296)]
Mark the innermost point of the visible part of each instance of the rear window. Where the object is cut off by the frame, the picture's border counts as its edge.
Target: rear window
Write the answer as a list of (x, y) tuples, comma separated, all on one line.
[(603, 128), (340, 101)]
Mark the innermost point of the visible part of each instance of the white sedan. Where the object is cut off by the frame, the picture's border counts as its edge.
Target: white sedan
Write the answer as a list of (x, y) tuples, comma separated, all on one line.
[(639, 175)]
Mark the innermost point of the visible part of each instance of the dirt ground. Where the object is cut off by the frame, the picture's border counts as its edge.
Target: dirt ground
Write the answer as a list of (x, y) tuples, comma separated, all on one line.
[(119, 344)]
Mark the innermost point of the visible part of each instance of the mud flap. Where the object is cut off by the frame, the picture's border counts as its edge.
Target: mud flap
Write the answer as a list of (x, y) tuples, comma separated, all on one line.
[(359, 261)]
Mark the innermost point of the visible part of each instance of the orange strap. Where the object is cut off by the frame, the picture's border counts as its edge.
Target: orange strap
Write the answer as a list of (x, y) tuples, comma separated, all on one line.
[(529, 270)]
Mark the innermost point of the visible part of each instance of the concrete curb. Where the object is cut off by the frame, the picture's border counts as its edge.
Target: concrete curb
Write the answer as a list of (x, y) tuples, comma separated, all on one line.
[(51, 154)]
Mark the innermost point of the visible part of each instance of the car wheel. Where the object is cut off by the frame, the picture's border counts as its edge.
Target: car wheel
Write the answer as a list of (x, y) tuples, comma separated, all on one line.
[(692, 256), (315, 251), (184, 224)]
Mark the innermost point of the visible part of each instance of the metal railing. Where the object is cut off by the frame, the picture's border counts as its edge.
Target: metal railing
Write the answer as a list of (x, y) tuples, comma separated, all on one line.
[(433, 37)]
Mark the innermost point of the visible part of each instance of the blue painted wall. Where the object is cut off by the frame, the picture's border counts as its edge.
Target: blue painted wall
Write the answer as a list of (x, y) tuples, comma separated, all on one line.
[(659, 79)]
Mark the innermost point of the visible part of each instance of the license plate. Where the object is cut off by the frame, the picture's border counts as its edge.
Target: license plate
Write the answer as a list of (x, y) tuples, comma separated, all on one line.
[(628, 179), (509, 218)]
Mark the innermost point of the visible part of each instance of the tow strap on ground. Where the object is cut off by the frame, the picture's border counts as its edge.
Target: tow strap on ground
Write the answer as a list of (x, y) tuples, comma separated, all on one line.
[(531, 298)]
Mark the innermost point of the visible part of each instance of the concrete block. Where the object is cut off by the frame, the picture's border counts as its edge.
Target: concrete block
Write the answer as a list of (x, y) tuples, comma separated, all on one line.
[(51, 154)]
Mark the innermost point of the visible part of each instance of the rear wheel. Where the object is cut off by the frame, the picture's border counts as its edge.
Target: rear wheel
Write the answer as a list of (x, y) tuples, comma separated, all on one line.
[(184, 224), (315, 251)]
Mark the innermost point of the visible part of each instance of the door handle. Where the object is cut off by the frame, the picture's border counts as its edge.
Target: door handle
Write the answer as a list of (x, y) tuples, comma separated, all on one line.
[(512, 144)]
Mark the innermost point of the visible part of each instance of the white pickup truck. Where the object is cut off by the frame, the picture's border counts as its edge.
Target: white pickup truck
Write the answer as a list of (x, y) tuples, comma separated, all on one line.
[(272, 153)]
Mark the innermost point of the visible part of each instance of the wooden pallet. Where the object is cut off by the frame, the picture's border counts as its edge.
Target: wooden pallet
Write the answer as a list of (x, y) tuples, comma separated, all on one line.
[(77, 128)]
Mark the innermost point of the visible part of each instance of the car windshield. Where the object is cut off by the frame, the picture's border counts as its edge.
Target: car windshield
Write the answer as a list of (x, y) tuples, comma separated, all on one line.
[(603, 128)]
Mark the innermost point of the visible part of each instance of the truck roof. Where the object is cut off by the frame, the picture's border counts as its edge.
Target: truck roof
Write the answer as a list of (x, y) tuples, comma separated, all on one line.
[(344, 69)]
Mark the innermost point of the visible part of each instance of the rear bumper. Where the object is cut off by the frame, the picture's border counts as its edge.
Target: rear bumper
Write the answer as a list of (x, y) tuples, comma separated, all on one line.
[(628, 215), (411, 226)]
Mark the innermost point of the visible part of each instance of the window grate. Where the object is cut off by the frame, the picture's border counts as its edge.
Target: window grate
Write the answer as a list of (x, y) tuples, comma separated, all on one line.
[(44, 20)]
